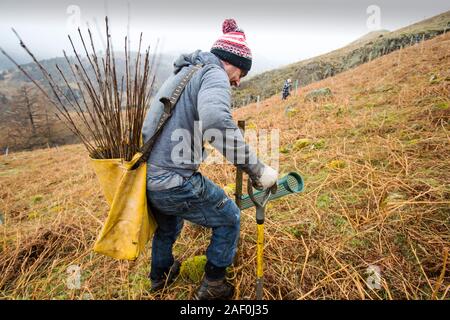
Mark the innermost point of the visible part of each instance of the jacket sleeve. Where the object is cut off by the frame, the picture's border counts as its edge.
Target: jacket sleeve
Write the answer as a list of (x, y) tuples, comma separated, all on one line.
[(218, 127)]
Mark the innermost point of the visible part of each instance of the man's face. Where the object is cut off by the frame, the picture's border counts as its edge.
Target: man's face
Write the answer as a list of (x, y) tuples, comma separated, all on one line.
[(234, 74)]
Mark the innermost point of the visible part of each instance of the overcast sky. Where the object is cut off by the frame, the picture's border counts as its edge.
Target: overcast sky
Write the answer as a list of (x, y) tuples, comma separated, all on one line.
[(280, 31)]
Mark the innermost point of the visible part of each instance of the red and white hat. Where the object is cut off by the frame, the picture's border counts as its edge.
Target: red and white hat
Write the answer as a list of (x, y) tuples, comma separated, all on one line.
[(232, 46)]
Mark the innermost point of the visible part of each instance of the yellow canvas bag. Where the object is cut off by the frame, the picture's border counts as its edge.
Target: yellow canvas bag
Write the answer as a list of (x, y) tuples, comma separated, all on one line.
[(130, 223)]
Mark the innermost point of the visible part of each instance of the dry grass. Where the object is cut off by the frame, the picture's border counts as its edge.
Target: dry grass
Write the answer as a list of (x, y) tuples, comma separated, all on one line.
[(386, 204)]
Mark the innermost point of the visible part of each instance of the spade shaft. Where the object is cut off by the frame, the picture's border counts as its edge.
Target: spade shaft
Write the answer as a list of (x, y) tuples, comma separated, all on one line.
[(260, 215), (289, 184)]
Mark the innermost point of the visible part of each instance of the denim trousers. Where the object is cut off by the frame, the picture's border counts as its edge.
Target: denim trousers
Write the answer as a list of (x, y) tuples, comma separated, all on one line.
[(202, 202)]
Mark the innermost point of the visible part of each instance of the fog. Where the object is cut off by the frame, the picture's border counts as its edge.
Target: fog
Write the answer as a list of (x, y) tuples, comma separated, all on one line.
[(278, 32)]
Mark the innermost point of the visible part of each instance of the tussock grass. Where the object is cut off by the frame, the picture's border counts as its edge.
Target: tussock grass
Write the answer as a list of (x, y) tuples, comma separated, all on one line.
[(388, 206)]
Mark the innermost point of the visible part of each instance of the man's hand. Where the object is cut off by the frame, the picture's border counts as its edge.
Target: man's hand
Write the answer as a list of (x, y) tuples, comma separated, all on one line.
[(268, 178)]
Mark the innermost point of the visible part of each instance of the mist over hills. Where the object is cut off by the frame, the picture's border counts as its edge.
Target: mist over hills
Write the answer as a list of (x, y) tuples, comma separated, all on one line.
[(362, 50)]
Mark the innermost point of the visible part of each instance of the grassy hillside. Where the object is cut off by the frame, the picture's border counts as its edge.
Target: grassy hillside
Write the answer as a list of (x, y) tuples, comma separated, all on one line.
[(367, 48), (374, 156)]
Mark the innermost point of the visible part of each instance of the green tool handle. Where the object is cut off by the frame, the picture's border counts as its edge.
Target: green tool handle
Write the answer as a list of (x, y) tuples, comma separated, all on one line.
[(289, 184), (260, 205)]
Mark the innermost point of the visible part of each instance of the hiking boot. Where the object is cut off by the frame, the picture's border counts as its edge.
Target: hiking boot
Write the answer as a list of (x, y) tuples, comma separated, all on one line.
[(214, 290), (167, 279)]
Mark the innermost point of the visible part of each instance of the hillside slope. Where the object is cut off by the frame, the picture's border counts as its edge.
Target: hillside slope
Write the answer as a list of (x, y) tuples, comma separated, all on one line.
[(367, 48), (375, 161)]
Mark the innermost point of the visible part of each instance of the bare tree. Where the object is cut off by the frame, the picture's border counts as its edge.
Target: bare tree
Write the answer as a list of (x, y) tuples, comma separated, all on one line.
[(22, 112), (25, 120), (27, 107)]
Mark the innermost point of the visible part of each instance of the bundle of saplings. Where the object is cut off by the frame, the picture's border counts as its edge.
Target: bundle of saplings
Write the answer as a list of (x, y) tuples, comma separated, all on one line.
[(104, 109)]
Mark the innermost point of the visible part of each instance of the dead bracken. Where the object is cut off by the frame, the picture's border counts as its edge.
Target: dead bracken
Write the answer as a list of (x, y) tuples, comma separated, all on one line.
[(387, 208)]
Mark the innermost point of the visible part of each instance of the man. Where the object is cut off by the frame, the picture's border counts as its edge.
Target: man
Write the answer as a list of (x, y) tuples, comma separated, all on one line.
[(175, 190), (286, 89)]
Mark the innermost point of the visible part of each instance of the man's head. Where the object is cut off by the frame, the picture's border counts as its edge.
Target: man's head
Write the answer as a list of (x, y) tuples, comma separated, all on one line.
[(234, 73), (234, 52)]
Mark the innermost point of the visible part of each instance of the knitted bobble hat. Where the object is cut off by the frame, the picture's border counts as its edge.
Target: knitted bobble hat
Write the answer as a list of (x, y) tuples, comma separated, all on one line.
[(232, 46)]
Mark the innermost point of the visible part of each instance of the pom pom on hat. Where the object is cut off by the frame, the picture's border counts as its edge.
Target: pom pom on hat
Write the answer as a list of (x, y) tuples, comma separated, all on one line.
[(229, 25)]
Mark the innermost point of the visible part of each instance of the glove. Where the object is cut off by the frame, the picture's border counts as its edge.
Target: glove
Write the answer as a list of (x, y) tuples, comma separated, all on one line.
[(267, 179)]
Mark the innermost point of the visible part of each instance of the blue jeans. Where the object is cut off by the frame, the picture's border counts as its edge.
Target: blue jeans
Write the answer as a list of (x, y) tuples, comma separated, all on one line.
[(202, 202)]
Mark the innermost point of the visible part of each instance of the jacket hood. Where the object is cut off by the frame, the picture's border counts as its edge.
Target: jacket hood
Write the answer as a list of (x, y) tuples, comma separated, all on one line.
[(195, 58)]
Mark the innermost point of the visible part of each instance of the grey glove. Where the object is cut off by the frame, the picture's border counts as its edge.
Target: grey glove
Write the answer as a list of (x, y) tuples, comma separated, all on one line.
[(267, 179)]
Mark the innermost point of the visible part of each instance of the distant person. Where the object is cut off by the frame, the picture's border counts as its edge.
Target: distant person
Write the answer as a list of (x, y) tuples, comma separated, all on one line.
[(176, 190), (286, 89)]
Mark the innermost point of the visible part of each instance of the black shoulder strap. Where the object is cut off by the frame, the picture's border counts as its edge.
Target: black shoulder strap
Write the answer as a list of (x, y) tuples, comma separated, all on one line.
[(169, 105)]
